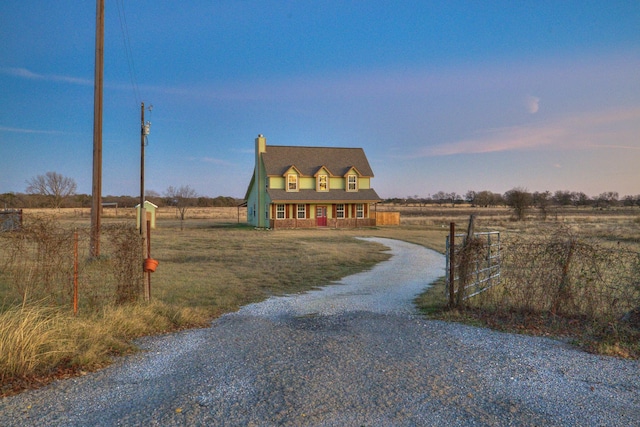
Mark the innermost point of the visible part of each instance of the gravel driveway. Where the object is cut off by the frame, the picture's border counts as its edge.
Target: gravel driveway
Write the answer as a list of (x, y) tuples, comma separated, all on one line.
[(352, 354)]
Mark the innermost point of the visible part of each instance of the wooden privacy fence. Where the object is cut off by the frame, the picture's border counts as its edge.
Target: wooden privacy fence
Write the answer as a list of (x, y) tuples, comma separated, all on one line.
[(387, 218), (473, 264)]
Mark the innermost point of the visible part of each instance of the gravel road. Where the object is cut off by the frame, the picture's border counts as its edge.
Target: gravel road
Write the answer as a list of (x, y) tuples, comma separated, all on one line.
[(351, 354)]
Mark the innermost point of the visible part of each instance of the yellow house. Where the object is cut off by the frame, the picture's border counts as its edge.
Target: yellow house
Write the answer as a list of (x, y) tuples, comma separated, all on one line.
[(303, 187)]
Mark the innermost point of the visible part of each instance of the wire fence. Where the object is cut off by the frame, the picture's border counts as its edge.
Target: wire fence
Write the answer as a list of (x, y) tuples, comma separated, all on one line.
[(552, 271), (564, 275), (44, 261)]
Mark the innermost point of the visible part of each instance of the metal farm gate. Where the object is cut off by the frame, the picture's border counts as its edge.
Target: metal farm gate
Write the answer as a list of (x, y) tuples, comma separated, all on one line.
[(473, 264), (10, 219)]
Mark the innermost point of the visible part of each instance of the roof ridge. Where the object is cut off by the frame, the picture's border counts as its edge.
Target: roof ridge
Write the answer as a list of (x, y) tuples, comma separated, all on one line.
[(314, 146)]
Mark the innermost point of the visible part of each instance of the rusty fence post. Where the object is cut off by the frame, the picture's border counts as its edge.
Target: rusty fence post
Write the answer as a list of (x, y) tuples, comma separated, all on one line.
[(452, 262), (75, 273), (148, 290)]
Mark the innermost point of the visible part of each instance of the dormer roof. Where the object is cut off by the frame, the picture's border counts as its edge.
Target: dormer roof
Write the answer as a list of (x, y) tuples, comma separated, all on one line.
[(291, 168), (320, 169), (354, 169)]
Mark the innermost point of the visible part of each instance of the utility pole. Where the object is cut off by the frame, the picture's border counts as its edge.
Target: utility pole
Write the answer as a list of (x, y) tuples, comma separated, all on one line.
[(96, 188), (144, 131), (146, 247), (142, 136)]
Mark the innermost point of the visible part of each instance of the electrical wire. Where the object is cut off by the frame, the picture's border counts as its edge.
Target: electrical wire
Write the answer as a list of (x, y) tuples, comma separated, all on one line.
[(128, 52)]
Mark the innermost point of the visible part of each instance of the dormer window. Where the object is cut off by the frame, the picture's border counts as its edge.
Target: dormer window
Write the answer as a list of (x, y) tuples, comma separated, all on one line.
[(292, 182), (323, 183), (352, 183)]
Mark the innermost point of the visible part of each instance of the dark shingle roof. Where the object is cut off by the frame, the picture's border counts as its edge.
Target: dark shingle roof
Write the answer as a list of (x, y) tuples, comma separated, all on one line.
[(278, 159), (337, 196)]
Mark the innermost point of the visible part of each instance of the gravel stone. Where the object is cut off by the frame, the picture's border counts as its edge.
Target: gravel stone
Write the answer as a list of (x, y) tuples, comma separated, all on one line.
[(355, 353)]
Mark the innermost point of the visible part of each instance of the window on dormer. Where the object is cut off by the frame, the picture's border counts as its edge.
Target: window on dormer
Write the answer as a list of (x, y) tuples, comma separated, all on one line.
[(352, 183), (292, 182), (323, 183)]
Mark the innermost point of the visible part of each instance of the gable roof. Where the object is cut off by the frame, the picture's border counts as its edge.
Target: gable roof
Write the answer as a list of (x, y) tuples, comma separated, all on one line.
[(308, 160)]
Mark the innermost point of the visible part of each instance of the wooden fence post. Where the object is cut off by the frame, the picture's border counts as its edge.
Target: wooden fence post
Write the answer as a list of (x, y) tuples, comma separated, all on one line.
[(465, 261)]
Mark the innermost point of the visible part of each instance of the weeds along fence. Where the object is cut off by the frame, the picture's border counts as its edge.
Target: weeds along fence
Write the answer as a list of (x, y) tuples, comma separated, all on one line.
[(38, 264), (558, 272)]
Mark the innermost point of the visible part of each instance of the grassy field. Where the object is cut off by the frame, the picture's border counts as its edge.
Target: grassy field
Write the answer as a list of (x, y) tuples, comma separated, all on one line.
[(597, 250), (216, 264)]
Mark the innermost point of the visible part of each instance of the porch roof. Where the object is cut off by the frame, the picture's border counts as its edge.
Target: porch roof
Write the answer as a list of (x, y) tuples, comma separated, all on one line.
[(313, 196)]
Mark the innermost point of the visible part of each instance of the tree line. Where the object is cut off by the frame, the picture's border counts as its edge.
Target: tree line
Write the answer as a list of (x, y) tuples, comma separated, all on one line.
[(521, 200), (56, 191), (53, 190)]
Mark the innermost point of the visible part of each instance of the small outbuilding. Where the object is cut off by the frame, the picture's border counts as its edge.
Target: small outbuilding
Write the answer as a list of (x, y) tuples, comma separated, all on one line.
[(150, 209)]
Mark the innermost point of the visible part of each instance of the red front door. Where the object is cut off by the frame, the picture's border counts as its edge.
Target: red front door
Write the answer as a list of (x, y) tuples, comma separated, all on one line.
[(321, 216)]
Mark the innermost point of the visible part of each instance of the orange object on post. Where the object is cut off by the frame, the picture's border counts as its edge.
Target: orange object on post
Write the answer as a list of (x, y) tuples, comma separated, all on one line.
[(150, 265)]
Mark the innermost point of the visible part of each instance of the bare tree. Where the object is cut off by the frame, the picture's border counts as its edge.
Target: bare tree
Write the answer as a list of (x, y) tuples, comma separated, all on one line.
[(542, 200), (440, 198), (519, 199), (470, 197), (53, 185), (607, 199), (182, 198)]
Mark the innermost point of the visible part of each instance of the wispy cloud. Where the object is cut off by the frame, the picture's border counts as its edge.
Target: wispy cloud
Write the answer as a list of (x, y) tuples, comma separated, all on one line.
[(532, 103), (214, 161), (573, 132), (27, 74), (495, 140), (19, 130), (211, 160)]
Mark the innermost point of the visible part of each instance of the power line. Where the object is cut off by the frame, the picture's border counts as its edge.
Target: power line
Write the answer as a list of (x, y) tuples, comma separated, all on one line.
[(128, 52)]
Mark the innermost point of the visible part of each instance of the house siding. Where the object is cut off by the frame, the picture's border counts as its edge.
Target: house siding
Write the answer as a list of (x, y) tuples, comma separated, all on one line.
[(349, 221), (269, 187)]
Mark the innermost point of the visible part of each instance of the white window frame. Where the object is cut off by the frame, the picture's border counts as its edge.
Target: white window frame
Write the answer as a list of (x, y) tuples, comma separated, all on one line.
[(302, 211), (326, 183), (360, 210), (292, 178), (280, 214), (340, 210), (352, 186)]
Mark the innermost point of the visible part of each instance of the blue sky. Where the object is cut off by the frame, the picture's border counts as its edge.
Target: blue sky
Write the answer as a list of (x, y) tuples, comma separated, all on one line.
[(442, 96)]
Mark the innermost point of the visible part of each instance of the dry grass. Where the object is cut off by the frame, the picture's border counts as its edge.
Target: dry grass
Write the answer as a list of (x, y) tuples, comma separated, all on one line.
[(220, 267), (215, 265), (30, 338), (39, 343), (576, 275), (209, 268)]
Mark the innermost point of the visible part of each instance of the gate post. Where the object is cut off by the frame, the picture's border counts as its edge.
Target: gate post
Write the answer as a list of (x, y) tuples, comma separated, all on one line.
[(452, 263)]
